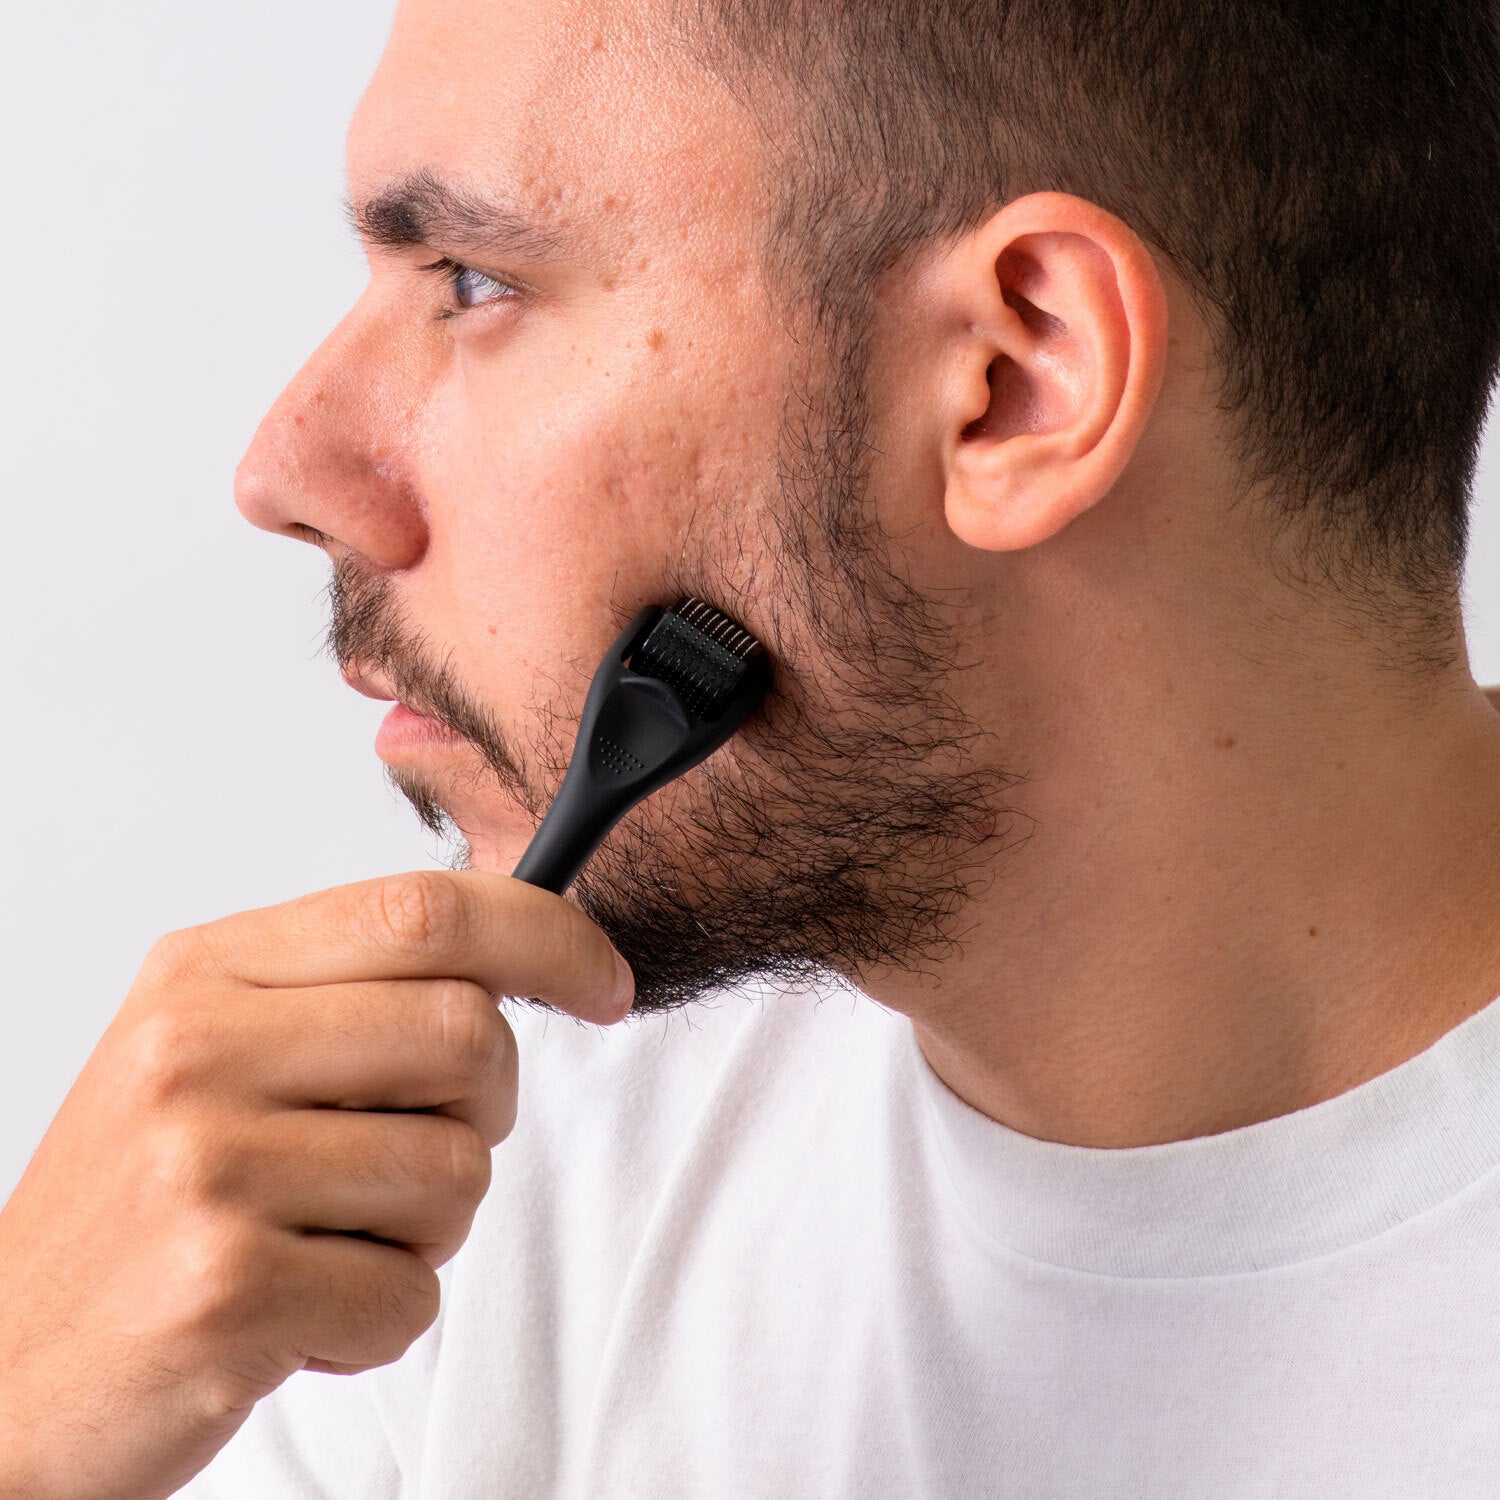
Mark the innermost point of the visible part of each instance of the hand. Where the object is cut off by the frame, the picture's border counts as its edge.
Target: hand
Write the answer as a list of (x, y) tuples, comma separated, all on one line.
[(171, 1253)]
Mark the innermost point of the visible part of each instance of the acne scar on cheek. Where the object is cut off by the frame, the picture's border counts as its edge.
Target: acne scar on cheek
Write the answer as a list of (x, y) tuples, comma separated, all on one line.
[(300, 420), (655, 338)]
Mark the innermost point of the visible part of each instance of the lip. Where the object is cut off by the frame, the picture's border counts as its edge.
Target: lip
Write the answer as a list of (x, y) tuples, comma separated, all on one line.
[(367, 685), (403, 730)]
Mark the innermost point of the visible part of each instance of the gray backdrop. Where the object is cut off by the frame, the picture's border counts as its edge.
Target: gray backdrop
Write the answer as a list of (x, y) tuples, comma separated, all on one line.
[(174, 747)]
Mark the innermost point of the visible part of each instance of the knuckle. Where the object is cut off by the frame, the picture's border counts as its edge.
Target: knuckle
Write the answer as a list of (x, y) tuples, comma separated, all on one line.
[(188, 1162), (225, 1281), (174, 1050), (467, 1164), (417, 912), (218, 1275), (176, 957), (242, 1375), (418, 1295), (444, 1244), (391, 1310), (464, 1019)]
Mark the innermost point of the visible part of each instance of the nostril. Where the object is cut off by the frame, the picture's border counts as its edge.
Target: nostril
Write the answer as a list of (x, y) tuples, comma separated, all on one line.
[(263, 496)]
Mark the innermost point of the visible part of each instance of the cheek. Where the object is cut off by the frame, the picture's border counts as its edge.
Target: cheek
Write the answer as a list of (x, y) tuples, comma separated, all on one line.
[(553, 503), (555, 506)]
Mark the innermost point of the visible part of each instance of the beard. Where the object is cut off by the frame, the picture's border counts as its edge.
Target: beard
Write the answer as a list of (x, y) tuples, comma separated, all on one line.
[(848, 824)]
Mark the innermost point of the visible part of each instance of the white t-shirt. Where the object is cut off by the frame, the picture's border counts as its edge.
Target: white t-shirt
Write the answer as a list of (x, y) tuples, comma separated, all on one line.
[(758, 1249)]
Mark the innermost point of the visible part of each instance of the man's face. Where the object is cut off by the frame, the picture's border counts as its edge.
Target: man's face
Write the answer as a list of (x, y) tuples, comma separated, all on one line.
[(564, 394)]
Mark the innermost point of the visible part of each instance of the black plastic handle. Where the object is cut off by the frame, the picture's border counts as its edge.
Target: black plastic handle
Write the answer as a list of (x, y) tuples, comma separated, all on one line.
[(636, 735)]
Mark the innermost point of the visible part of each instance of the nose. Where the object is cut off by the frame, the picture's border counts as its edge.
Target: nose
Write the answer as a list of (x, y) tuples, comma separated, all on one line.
[(331, 462)]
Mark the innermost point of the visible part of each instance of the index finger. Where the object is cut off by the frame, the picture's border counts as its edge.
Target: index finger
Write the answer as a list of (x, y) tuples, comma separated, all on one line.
[(493, 930)]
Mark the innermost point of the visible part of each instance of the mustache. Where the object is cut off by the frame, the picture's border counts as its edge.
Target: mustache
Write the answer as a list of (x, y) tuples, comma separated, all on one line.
[(367, 628)]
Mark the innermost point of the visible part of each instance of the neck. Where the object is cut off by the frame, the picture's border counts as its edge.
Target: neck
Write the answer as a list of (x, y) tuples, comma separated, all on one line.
[(1255, 880)]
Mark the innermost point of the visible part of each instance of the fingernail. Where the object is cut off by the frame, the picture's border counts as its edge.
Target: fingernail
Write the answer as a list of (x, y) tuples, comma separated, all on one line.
[(624, 986)]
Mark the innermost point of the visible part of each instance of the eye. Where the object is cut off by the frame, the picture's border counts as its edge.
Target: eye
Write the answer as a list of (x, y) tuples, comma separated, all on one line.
[(471, 287), (467, 287)]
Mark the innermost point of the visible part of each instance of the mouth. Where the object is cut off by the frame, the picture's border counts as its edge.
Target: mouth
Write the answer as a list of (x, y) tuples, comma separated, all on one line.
[(404, 730), (406, 727)]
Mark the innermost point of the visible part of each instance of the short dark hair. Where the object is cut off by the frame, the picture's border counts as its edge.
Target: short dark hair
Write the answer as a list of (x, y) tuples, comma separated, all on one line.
[(1322, 177)]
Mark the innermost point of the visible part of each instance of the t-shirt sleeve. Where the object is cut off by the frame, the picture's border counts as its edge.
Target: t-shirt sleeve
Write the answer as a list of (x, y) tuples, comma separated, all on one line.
[(316, 1437)]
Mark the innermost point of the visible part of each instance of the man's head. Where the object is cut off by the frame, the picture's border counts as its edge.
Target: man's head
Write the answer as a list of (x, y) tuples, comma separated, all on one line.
[(854, 320)]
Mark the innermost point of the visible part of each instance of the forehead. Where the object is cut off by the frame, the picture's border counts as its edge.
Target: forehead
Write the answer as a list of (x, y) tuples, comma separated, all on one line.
[(586, 115)]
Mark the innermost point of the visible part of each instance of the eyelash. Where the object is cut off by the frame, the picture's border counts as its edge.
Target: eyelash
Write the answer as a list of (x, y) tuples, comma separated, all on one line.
[(448, 270)]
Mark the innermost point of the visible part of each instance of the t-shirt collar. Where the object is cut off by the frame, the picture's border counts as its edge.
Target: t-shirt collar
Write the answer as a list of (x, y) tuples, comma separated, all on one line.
[(1284, 1190)]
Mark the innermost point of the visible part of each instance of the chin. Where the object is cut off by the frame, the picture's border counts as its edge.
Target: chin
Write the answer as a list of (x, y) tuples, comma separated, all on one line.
[(495, 849)]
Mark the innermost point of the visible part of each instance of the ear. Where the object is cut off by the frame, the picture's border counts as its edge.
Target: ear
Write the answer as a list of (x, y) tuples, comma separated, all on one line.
[(1058, 353)]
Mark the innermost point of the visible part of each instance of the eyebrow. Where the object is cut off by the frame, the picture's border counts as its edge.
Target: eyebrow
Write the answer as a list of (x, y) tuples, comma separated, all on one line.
[(422, 209)]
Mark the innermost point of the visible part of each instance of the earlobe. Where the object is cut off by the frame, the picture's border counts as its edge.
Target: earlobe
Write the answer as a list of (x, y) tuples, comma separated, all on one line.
[(1060, 361)]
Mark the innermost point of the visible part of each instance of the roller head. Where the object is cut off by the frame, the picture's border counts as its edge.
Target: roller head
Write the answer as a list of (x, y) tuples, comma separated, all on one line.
[(701, 654)]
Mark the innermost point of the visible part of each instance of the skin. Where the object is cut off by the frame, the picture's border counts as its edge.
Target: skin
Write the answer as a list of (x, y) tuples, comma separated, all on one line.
[(1260, 858), (1259, 863)]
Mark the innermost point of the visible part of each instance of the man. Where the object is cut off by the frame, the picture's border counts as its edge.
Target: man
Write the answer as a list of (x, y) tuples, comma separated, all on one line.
[(1075, 1070)]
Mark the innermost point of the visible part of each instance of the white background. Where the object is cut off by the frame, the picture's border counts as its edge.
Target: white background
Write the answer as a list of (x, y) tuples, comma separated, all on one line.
[(174, 745)]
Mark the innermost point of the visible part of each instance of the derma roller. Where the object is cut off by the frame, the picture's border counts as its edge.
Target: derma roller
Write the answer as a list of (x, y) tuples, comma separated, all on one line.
[(675, 685)]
